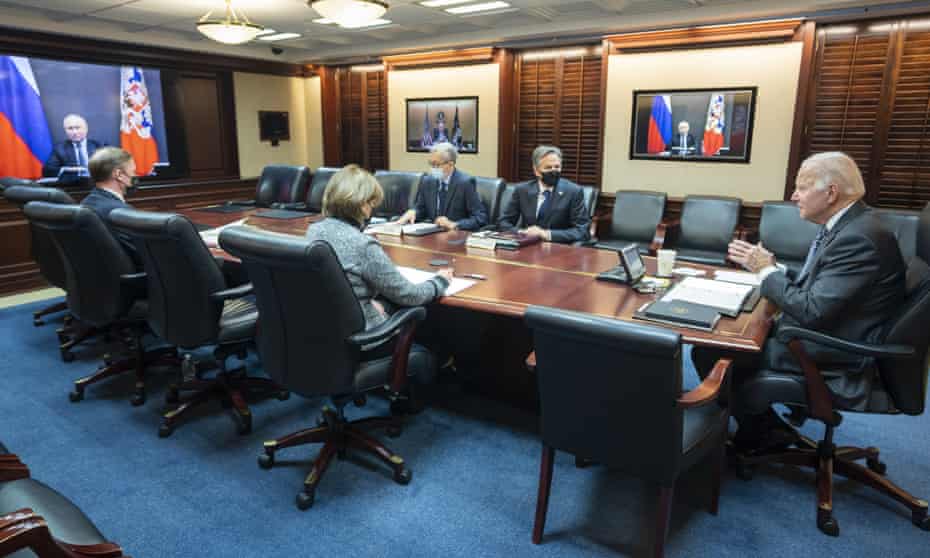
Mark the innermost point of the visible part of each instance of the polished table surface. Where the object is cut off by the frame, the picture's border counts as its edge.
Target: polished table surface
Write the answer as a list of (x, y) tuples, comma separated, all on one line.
[(545, 274)]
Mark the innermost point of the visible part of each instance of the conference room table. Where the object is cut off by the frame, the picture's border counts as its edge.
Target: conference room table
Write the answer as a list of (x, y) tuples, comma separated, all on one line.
[(545, 274)]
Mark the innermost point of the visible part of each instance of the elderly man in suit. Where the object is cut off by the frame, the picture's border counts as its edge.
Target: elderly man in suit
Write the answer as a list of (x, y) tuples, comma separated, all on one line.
[(448, 197), (549, 206), (852, 282), (76, 151), (682, 143)]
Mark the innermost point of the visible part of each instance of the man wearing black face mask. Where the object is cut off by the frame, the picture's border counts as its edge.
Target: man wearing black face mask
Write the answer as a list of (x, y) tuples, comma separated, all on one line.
[(549, 207), (114, 173)]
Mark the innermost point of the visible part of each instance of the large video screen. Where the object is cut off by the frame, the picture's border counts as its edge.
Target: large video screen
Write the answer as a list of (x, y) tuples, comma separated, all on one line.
[(693, 124), (432, 121), (55, 114)]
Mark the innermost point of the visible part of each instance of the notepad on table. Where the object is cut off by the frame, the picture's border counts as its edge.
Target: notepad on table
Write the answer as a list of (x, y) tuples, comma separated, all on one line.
[(211, 237), (419, 276), (727, 298), (741, 277)]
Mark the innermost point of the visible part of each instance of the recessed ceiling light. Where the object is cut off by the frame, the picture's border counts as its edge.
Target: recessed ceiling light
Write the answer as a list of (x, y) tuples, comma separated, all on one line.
[(367, 24), (441, 3), (472, 8), (279, 37), (324, 21)]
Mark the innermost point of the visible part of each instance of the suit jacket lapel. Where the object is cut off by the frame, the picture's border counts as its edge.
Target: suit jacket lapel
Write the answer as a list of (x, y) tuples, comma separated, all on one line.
[(854, 211)]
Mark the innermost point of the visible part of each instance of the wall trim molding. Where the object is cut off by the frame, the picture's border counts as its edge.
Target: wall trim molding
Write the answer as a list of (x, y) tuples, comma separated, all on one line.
[(712, 35), (455, 57)]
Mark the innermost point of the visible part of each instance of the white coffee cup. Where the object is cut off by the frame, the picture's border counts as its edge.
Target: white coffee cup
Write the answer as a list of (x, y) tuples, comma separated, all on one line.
[(666, 262)]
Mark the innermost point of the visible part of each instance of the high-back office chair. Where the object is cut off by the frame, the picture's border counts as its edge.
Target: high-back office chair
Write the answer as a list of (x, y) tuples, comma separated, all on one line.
[(36, 520), (622, 405), (102, 286), (785, 234), (318, 187), (903, 224), (901, 360), (635, 220), (282, 184), (923, 234), (190, 306), (489, 190), (506, 196), (43, 247), (313, 342), (400, 191), (590, 194), (705, 229), (9, 182)]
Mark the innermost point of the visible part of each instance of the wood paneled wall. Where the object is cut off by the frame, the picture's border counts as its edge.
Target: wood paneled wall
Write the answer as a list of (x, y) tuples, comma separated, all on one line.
[(355, 117)]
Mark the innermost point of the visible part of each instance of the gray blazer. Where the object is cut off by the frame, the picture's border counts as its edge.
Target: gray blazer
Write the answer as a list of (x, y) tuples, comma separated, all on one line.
[(371, 272)]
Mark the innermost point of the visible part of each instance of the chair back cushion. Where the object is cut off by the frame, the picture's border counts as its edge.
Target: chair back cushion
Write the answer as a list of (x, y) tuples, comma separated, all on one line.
[(590, 194), (318, 187), (182, 274), (44, 250), (506, 197), (307, 309), (903, 224), (636, 215), (93, 260), (708, 222), (608, 390), (400, 191), (784, 232), (489, 190), (282, 184), (923, 234)]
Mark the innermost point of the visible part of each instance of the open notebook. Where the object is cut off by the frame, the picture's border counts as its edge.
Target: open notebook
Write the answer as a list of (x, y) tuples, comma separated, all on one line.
[(418, 276)]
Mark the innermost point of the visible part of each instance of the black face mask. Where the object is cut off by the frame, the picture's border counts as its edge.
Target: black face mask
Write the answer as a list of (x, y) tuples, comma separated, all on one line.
[(551, 178)]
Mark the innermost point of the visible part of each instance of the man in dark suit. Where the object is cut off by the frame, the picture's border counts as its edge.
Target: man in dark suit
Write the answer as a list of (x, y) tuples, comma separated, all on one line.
[(852, 282), (448, 197), (114, 172), (549, 206), (683, 143), (76, 151)]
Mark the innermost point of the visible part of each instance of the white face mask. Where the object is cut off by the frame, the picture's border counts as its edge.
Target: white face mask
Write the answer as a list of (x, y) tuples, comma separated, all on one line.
[(437, 173)]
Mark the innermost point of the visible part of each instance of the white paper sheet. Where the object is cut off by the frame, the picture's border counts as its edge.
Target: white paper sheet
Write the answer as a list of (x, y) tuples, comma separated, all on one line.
[(211, 237), (741, 277), (418, 276), (719, 294)]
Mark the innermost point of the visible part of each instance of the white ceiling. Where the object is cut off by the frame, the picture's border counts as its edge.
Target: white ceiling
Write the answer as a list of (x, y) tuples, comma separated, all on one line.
[(171, 23)]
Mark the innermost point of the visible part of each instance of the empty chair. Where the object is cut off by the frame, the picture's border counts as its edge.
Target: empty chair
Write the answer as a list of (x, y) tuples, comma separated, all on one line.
[(923, 234), (318, 187), (635, 220), (611, 392), (9, 181), (705, 229), (590, 194), (282, 184), (313, 342), (506, 196), (903, 224), (489, 190), (400, 192), (783, 232)]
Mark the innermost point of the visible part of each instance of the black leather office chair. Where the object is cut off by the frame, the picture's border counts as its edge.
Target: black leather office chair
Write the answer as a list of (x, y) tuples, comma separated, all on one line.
[(103, 289), (903, 224), (705, 229), (506, 196), (282, 184), (190, 306), (318, 187), (313, 341), (400, 192), (36, 520), (923, 235), (9, 182), (622, 405), (785, 233), (489, 190), (901, 360), (590, 204), (635, 220), (43, 247)]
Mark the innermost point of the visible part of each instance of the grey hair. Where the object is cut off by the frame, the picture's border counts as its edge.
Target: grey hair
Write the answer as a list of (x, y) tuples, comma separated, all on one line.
[(73, 115), (835, 167), (684, 122), (447, 150), (105, 161), (543, 151)]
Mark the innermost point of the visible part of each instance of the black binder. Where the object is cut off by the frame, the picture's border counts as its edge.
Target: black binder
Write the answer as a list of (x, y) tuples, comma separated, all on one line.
[(682, 314)]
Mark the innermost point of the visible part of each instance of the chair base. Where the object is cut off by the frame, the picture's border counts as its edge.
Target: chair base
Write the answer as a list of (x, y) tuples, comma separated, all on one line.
[(73, 334), (138, 363), (337, 435), (827, 459), (37, 320)]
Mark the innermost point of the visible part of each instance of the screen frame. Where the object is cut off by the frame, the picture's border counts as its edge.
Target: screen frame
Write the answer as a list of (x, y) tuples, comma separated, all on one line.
[(744, 160), (273, 138), (440, 99)]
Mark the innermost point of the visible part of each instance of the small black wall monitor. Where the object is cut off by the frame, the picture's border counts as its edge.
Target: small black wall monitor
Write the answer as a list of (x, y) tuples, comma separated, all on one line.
[(273, 126)]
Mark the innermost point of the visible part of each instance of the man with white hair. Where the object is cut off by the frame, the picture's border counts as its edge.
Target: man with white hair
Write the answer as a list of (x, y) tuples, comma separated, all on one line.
[(76, 151), (852, 282), (447, 197)]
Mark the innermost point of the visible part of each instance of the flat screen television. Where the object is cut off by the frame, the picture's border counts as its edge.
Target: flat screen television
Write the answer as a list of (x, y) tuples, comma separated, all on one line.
[(273, 126), (432, 121), (713, 125)]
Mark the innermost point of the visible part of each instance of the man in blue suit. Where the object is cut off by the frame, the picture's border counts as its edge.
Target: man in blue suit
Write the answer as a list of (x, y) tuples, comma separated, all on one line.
[(448, 197), (76, 151), (114, 173)]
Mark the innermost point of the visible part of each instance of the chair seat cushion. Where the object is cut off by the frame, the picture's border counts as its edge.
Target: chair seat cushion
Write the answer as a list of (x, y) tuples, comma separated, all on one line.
[(767, 387), (237, 323), (701, 427), (706, 257), (618, 243), (375, 373), (65, 520)]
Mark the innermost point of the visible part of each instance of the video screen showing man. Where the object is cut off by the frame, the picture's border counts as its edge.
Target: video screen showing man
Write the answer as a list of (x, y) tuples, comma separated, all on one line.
[(683, 142), (71, 156)]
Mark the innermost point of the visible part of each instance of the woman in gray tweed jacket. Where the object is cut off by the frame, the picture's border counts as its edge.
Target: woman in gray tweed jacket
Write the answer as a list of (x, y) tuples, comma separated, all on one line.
[(350, 197)]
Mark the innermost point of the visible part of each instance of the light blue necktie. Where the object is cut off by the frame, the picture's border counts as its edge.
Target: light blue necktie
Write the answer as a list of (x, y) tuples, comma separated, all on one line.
[(815, 247)]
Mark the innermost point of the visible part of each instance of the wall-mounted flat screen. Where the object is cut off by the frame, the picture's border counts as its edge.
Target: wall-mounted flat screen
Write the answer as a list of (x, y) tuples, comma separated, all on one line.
[(273, 126), (432, 121), (693, 124)]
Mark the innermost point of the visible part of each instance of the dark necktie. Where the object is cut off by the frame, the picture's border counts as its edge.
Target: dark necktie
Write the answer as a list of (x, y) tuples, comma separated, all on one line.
[(544, 207), (812, 253), (441, 198)]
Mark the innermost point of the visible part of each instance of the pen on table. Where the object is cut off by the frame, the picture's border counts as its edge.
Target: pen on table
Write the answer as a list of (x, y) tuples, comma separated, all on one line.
[(474, 276)]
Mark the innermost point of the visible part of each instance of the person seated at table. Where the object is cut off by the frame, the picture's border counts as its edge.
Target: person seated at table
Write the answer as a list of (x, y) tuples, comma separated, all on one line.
[(852, 282), (448, 197), (551, 207), (114, 173), (348, 201)]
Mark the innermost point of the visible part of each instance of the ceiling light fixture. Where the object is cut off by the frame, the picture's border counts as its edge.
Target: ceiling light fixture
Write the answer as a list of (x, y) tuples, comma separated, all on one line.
[(234, 29), (279, 37), (355, 13), (441, 3), (472, 8), (368, 24)]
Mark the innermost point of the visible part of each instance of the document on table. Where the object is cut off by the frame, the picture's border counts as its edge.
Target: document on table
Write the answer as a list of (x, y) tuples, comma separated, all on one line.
[(741, 277), (728, 297), (418, 276), (211, 237)]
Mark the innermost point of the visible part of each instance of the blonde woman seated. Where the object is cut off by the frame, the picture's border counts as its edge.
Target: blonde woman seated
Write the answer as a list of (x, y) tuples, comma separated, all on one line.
[(348, 201)]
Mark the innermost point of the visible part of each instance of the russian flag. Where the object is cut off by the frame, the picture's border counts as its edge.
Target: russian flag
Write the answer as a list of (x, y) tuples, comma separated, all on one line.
[(25, 142), (136, 120), (660, 124)]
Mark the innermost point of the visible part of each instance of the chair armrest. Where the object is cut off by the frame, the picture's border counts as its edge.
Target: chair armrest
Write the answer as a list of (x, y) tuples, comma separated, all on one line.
[(235, 292), (11, 468), (788, 333), (134, 279), (25, 529), (380, 334), (709, 390)]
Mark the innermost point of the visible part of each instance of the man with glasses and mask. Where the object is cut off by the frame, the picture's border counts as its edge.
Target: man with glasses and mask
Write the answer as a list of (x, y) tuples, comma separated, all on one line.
[(447, 197), (549, 206), (114, 174)]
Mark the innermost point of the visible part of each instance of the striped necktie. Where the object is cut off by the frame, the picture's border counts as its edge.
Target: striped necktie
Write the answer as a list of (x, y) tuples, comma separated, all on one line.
[(812, 253)]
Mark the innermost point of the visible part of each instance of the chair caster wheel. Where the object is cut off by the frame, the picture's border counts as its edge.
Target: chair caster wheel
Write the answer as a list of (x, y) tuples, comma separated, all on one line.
[(876, 466), (37, 322), (266, 461), (284, 395), (829, 526), (403, 476), (165, 430), (76, 395), (745, 472), (138, 399), (921, 520), (392, 431), (67, 356), (305, 500)]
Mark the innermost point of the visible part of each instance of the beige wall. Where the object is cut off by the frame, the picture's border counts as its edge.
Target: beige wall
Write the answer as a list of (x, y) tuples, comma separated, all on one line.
[(300, 97), (773, 68), (482, 80)]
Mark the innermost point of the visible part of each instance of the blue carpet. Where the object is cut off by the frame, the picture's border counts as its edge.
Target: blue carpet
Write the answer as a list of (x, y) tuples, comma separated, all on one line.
[(475, 465)]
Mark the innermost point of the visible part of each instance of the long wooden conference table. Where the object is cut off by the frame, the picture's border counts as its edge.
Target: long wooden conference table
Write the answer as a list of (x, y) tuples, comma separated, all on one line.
[(545, 274)]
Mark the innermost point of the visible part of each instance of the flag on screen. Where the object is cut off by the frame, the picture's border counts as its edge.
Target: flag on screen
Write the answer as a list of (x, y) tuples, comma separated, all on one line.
[(713, 129), (136, 123), (25, 142), (427, 139), (660, 124)]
